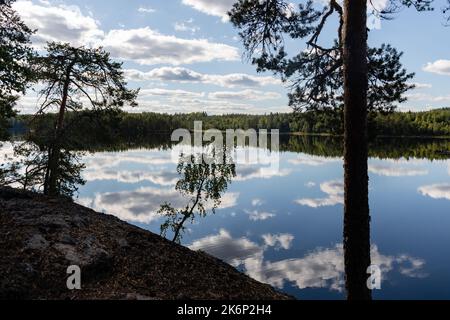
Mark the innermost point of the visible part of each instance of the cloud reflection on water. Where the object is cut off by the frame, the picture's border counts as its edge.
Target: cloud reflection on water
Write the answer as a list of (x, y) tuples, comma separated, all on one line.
[(320, 268), (142, 205)]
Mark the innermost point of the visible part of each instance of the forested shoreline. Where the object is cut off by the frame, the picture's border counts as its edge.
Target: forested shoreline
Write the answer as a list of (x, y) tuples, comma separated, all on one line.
[(432, 123)]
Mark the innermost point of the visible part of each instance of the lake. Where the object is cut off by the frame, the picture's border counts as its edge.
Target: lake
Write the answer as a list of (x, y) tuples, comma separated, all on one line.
[(283, 226)]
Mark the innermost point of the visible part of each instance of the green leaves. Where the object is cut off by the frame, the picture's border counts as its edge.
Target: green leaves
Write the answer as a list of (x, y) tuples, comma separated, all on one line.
[(15, 54), (91, 74), (315, 75), (28, 167), (204, 179), (263, 23), (7, 103), (15, 51)]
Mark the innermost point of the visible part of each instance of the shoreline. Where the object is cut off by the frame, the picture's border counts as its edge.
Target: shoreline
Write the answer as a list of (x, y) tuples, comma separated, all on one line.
[(299, 134)]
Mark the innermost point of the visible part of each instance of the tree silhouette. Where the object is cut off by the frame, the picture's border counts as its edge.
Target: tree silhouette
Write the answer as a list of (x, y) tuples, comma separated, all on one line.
[(315, 74), (29, 166), (76, 79), (343, 73), (15, 52)]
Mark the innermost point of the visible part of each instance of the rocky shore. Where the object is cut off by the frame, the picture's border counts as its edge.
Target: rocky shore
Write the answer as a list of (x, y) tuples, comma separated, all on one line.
[(40, 237)]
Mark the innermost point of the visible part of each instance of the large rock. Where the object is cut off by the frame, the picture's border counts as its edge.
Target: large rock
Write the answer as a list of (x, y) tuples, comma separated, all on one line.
[(41, 237)]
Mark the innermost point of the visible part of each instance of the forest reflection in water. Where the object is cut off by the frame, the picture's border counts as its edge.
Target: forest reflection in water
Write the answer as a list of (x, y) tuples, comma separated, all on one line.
[(285, 227)]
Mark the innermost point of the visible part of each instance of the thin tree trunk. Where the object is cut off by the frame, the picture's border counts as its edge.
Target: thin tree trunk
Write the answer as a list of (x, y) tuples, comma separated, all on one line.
[(47, 171), (356, 211), (189, 214), (55, 149), (53, 170)]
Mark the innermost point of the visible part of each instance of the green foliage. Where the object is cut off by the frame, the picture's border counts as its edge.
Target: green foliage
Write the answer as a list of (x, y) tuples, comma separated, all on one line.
[(204, 179), (68, 76), (431, 123), (315, 74), (27, 170), (7, 112), (382, 148), (15, 53), (114, 128), (29, 164), (81, 73)]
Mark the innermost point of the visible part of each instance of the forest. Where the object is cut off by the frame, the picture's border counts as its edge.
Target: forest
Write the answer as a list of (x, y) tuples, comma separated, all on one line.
[(123, 125)]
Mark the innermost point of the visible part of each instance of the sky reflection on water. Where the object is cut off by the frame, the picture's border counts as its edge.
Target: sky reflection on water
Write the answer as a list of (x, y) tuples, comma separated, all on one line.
[(285, 227)]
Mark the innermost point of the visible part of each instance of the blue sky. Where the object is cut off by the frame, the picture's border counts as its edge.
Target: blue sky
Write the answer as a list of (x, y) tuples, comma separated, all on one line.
[(186, 57)]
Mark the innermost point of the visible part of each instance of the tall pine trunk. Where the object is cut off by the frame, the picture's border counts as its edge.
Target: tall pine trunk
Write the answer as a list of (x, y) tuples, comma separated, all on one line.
[(52, 175), (356, 211)]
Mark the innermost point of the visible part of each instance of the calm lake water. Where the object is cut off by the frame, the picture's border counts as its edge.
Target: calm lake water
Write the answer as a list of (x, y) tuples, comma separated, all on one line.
[(284, 227)]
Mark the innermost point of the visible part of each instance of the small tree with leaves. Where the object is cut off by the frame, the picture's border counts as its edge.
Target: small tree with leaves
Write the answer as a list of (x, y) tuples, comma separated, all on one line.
[(204, 181)]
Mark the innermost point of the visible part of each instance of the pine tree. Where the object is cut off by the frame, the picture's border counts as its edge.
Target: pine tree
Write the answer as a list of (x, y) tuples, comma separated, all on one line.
[(76, 79), (344, 74), (15, 54)]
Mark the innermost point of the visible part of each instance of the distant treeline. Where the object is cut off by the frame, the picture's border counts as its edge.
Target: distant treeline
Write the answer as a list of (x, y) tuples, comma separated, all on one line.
[(133, 126), (122, 131)]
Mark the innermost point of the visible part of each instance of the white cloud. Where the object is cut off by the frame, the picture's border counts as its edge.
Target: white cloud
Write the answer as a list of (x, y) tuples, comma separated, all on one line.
[(146, 10), (107, 160), (282, 240), (324, 268), (311, 160), (436, 191), (170, 93), (255, 215), (146, 46), (59, 23), (218, 8), (419, 85), (158, 166), (441, 67), (184, 75), (177, 100), (321, 268), (411, 267), (257, 202), (163, 178), (248, 172), (186, 26), (28, 104), (204, 105), (334, 190), (396, 171), (225, 247), (142, 205), (244, 95), (427, 97)]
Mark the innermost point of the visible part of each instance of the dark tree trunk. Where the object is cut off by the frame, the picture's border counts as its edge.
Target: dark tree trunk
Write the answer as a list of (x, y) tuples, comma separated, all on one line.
[(53, 166), (356, 212), (51, 179)]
